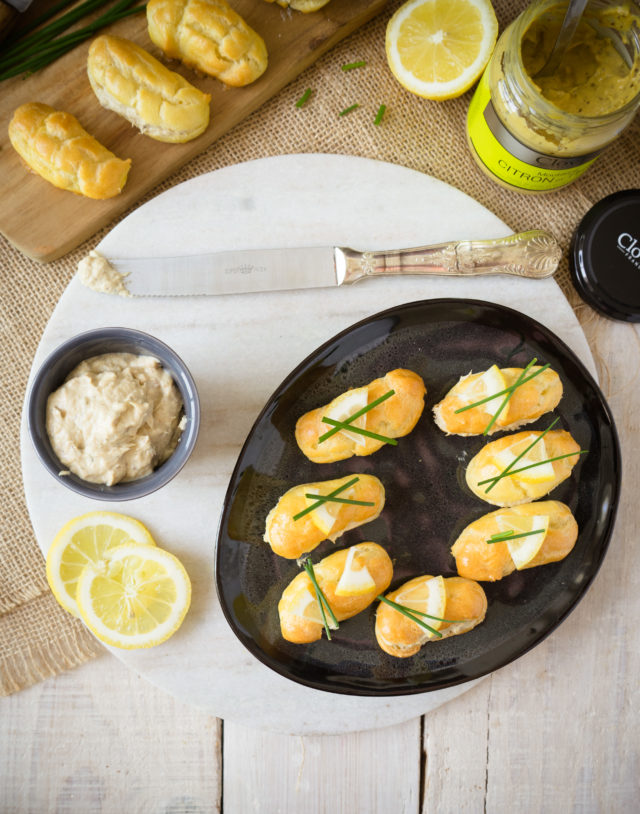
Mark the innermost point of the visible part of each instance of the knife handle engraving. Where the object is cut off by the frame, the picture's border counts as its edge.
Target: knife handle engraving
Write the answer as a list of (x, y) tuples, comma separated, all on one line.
[(535, 253)]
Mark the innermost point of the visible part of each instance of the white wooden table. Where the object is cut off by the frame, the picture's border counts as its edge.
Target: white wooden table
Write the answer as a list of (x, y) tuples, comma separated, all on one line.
[(556, 731)]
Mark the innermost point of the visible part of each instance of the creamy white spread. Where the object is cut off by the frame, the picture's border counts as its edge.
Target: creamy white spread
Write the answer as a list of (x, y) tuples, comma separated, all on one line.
[(116, 418), (97, 273)]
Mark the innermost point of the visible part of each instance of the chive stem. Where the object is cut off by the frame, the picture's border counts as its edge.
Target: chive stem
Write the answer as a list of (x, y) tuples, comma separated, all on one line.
[(380, 114), (530, 466), (304, 98), (45, 46), (501, 392), (323, 498), (414, 615), (510, 466), (502, 537), (351, 65), (320, 598), (507, 398), (348, 109), (357, 414), (341, 425)]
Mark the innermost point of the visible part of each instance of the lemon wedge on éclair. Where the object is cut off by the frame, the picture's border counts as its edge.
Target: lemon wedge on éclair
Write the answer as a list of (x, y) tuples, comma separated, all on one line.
[(87, 540), (324, 516), (306, 606), (538, 453), (355, 579), (438, 48), (429, 597), (138, 599), (345, 406), (524, 549), (489, 382)]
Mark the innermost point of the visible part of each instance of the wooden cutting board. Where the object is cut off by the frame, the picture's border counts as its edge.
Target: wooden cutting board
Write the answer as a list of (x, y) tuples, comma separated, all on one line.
[(46, 223)]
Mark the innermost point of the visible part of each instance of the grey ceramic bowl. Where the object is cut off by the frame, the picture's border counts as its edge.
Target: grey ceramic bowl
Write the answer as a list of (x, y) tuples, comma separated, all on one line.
[(59, 364)]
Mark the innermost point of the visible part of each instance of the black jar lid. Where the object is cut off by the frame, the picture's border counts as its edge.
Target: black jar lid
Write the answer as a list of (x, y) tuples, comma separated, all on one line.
[(605, 256)]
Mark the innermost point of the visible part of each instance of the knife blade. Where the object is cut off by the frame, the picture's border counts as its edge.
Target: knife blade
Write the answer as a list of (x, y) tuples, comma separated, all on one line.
[(535, 254)]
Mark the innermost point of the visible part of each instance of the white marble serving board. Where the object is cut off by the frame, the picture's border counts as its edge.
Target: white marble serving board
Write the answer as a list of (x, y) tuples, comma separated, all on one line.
[(238, 349)]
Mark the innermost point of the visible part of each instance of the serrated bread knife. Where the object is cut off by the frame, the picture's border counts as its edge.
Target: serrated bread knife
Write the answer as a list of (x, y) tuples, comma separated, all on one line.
[(527, 254)]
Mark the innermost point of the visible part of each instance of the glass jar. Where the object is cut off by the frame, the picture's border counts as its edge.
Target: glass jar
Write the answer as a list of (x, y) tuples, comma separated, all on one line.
[(537, 135)]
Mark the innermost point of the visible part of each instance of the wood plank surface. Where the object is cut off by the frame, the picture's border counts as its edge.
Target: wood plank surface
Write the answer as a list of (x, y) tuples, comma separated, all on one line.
[(377, 770), (32, 210), (101, 739)]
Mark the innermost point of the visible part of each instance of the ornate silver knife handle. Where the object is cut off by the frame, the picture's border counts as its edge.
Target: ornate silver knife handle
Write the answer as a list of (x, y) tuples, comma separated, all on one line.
[(527, 254)]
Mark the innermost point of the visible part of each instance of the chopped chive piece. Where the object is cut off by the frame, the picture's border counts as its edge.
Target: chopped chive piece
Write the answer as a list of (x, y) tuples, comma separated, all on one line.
[(341, 425), (357, 414), (506, 399), (348, 110), (530, 466), (510, 466), (503, 536), (321, 598), (323, 498), (380, 114), (304, 98), (351, 65), (501, 392)]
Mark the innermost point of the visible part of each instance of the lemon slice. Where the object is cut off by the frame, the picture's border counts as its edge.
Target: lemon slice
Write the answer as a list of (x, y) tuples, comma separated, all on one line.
[(355, 578), (137, 598), (427, 597), (491, 381), (345, 406), (537, 474), (524, 549), (438, 48), (87, 540)]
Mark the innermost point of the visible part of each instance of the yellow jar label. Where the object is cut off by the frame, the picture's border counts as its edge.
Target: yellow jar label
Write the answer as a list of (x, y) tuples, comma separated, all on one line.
[(509, 159)]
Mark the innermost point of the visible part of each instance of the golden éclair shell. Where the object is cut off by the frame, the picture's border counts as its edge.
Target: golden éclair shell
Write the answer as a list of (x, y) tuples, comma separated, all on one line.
[(292, 538), (299, 629), (393, 418), (399, 636), (479, 560), (511, 490)]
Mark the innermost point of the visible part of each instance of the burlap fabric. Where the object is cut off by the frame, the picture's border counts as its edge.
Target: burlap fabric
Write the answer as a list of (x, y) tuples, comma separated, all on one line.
[(37, 638)]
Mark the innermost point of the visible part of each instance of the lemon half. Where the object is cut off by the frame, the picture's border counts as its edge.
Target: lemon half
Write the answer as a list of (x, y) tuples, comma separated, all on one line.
[(137, 599), (87, 540), (437, 49)]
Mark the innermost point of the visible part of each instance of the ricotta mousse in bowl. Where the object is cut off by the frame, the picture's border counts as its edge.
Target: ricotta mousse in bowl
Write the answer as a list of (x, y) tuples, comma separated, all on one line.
[(113, 414)]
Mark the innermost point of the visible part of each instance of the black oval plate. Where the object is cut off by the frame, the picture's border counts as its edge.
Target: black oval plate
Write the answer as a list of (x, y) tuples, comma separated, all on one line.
[(428, 503)]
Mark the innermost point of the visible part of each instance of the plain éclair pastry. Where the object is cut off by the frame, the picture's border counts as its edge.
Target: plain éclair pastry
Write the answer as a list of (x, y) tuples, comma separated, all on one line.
[(291, 538), (56, 146), (513, 490), (210, 36), (465, 607), (479, 560), (528, 402), (393, 418), (132, 83), (300, 617), (301, 5)]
